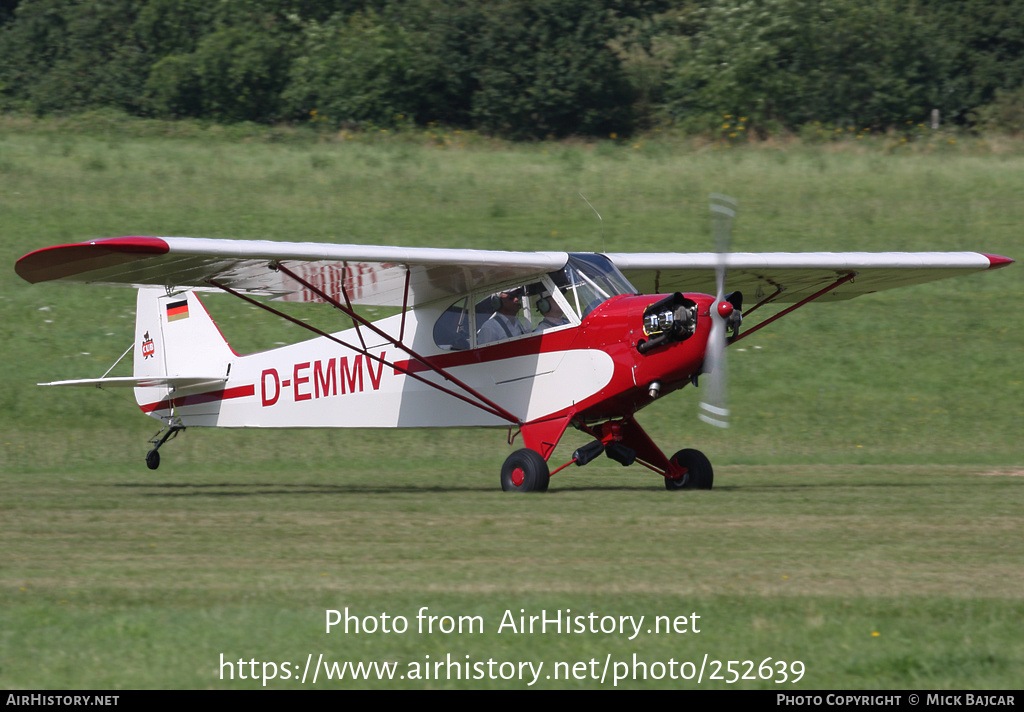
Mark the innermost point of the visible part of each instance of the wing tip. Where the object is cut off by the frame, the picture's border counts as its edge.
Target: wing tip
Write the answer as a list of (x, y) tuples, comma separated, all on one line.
[(62, 261), (997, 261)]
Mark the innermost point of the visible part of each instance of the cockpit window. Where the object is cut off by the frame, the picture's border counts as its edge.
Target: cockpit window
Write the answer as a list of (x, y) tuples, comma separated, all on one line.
[(588, 280), (452, 329), (559, 299)]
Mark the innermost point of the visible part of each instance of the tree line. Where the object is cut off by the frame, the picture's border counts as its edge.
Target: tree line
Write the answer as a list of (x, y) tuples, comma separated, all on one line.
[(521, 68)]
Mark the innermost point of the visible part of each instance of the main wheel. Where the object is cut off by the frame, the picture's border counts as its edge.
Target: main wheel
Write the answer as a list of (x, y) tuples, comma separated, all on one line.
[(525, 471), (699, 474), (153, 459)]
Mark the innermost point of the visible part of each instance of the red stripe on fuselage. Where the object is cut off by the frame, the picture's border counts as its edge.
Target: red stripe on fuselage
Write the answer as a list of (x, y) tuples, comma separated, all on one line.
[(540, 343), (199, 398)]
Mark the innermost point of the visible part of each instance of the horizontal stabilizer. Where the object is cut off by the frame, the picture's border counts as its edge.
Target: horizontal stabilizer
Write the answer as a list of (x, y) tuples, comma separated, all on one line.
[(145, 382)]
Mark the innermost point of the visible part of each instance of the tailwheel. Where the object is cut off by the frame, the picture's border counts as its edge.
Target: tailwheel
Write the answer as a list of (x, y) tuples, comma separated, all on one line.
[(169, 432), (699, 474), (525, 471)]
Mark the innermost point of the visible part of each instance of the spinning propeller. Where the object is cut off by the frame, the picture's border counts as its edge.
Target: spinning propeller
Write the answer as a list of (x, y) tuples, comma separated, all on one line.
[(724, 313)]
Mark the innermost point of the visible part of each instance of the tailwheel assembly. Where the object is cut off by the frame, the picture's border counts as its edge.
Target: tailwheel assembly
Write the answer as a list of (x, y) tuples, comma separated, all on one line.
[(169, 432)]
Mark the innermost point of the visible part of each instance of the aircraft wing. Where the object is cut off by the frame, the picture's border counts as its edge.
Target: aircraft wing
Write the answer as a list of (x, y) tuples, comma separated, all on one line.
[(376, 275), (792, 277), (370, 275)]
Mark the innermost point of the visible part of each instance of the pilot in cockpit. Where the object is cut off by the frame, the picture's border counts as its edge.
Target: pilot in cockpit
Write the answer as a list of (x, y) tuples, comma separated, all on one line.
[(504, 323), (550, 311)]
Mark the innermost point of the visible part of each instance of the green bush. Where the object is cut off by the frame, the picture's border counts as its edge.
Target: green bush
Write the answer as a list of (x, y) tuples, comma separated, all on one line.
[(360, 70), (241, 72), (794, 61), (60, 56), (521, 68), (1004, 115), (985, 39), (548, 68), (173, 89), (518, 69)]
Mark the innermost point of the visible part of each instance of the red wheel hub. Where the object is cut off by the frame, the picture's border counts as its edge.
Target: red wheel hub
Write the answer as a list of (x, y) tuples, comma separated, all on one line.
[(518, 476)]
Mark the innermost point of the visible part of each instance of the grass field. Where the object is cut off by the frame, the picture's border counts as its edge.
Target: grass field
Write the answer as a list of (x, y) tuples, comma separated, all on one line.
[(866, 518)]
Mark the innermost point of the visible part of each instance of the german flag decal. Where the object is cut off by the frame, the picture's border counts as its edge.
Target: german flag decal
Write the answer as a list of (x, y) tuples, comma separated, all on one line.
[(177, 310)]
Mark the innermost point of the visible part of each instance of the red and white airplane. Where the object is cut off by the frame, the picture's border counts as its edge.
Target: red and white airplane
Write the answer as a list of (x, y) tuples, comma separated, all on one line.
[(532, 341)]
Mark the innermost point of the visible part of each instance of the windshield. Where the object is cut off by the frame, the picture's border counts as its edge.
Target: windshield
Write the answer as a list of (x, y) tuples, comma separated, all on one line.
[(588, 280)]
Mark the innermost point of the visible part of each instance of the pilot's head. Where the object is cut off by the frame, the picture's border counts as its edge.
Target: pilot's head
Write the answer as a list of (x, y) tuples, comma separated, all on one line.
[(548, 307), (511, 302)]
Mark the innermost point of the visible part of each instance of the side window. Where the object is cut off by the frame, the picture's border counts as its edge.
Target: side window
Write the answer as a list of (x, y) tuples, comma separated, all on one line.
[(511, 313), (451, 330)]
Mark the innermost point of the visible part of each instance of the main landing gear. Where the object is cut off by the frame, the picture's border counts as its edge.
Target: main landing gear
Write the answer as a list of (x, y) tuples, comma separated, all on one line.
[(526, 470), (697, 471), (153, 456)]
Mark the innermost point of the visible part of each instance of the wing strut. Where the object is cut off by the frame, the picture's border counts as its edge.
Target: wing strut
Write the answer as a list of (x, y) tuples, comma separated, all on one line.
[(766, 300), (405, 302), (787, 310), (348, 311), (484, 404)]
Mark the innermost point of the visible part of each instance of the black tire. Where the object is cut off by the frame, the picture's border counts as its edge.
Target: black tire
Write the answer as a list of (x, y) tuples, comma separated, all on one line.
[(527, 468), (699, 474), (153, 459)]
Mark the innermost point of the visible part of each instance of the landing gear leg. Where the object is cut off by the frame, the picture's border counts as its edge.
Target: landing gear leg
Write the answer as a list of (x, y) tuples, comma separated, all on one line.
[(153, 456), (625, 442), (687, 469)]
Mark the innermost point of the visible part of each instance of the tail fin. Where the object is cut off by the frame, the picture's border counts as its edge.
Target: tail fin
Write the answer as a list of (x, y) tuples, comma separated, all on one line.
[(175, 339)]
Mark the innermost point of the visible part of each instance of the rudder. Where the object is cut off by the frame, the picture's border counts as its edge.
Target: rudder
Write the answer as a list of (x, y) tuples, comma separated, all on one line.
[(175, 337)]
